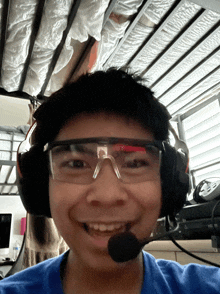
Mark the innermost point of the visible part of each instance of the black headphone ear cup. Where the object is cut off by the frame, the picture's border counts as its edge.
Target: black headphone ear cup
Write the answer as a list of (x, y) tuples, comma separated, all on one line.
[(33, 181), (174, 179)]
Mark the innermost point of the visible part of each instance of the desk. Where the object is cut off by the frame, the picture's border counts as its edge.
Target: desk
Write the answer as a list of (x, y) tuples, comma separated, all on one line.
[(195, 222), (196, 229)]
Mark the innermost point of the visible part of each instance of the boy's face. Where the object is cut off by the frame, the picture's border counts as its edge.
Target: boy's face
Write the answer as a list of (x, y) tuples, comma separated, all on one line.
[(106, 203)]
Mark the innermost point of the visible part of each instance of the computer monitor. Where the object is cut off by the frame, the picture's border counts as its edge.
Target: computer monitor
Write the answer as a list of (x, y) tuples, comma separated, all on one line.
[(5, 233)]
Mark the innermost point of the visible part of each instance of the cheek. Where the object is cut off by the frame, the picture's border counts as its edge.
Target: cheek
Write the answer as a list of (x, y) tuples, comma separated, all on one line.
[(64, 196), (149, 195)]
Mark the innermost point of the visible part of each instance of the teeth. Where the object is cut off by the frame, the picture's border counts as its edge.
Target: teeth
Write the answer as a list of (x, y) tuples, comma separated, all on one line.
[(104, 227)]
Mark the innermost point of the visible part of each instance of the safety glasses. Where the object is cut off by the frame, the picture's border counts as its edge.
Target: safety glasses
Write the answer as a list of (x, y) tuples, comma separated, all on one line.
[(80, 161)]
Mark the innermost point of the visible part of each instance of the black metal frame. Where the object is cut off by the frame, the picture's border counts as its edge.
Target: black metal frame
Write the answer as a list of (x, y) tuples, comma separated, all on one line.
[(185, 30), (147, 42), (9, 163), (35, 28)]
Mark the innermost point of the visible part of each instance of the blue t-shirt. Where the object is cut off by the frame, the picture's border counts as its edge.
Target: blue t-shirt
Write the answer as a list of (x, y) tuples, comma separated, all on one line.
[(160, 277), (38, 279)]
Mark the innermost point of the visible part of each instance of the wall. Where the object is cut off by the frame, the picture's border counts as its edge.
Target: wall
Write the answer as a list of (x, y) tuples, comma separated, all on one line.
[(13, 111), (13, 204)]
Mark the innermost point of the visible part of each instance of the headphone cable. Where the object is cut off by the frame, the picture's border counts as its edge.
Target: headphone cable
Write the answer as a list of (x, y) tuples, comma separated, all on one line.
[(191, 254), (186, 251)]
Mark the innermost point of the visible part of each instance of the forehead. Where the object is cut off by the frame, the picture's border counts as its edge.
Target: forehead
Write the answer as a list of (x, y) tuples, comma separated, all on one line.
[(103, 125)]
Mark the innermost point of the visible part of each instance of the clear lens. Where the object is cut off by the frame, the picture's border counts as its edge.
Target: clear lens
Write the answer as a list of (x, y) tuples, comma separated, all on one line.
[(82, 163), (73, 163)]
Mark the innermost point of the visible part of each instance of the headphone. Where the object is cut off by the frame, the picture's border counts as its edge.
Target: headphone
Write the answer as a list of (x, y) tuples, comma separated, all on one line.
[(33, 178), (207, 190)]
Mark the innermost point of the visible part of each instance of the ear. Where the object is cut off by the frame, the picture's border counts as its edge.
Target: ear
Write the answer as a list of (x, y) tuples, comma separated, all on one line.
[(33, 181), (174, 179)]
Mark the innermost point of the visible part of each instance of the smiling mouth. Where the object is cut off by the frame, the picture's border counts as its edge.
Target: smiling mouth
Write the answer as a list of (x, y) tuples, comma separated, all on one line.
[(101, 229)]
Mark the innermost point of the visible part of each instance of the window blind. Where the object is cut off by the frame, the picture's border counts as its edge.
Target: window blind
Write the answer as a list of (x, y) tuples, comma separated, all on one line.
[(202, 135)]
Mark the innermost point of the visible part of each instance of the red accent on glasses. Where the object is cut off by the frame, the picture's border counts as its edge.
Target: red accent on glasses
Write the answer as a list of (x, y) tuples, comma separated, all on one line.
[(126, 148)]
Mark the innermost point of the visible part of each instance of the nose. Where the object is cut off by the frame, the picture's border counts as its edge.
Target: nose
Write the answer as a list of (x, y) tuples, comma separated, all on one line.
[(107, 189), (100, 163)]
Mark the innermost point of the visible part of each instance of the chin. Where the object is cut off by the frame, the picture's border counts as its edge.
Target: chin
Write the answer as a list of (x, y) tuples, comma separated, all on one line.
[(102, 262)]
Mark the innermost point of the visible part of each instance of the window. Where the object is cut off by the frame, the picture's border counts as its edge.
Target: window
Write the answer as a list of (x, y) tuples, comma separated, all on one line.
[(9, 142), (200, 129)]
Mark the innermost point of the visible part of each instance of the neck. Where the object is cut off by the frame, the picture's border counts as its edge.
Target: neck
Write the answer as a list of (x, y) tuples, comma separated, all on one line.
[(124, 278)]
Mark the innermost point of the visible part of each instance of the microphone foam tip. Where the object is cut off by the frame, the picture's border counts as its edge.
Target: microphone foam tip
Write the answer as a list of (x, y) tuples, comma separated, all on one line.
[(124, 247)]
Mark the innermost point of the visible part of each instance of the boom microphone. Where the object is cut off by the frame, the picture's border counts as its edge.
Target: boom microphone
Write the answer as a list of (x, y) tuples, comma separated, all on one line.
[(125, 246)]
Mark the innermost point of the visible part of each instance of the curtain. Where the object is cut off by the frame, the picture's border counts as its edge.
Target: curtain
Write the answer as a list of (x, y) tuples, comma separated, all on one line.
[(43, 240)]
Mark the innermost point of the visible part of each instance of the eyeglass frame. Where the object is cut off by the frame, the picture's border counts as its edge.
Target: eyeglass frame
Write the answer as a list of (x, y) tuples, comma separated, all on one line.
[(103, 141)]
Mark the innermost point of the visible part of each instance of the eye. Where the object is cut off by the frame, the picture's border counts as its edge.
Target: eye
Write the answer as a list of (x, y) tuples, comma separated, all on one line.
[(75, 164), (136, 163)]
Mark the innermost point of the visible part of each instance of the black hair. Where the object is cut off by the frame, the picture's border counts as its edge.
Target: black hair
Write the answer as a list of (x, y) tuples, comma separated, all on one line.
[(112, 92)]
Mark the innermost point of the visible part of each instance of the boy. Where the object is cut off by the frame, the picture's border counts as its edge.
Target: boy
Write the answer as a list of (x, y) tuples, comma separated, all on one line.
[(98, 168)]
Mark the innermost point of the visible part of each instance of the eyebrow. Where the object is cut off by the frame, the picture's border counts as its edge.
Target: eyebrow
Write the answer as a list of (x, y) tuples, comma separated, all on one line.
[(72, 148), (82, 149), (128, 148)]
